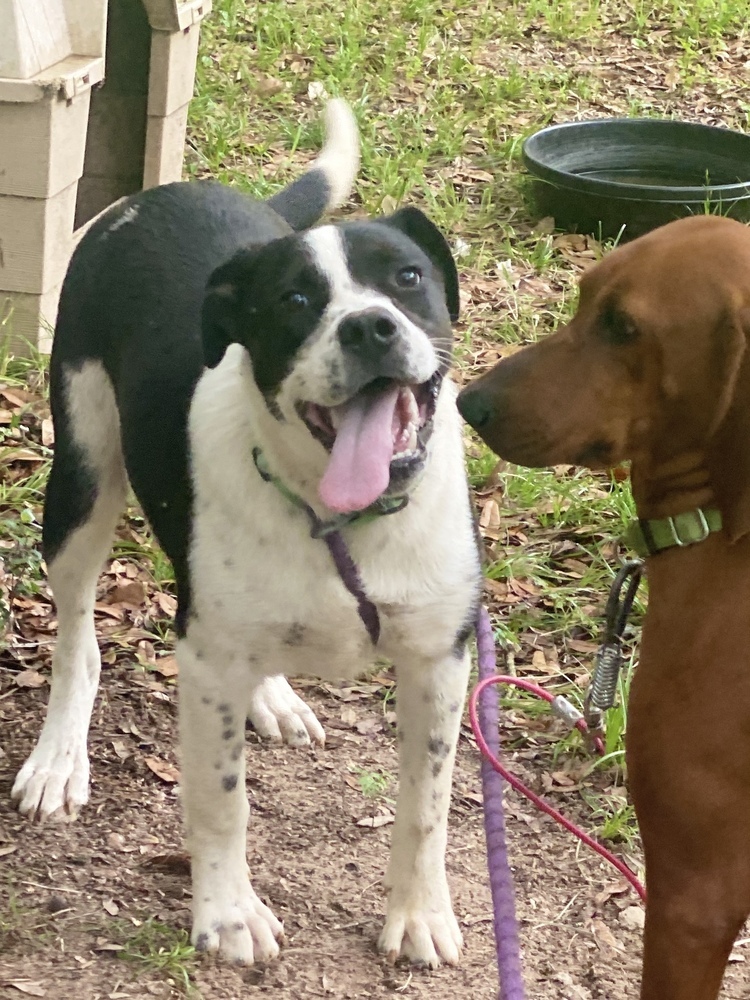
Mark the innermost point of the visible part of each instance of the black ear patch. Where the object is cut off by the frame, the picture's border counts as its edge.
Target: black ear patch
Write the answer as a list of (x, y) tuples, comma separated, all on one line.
[(220, 318), (415, 224), (219, 322)]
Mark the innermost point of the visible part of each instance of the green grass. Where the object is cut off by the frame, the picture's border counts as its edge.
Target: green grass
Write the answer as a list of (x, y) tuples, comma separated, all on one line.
[(445, 91), (156, 949), (373, 783)]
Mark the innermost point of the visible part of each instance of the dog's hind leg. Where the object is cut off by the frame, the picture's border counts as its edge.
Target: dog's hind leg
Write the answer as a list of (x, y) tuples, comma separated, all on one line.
[(687, 939), (279, 714), (85, 496), (687, 775)]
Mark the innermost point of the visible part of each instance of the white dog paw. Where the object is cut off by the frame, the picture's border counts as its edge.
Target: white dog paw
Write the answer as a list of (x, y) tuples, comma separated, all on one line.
[(277, 713), (53, 784), (425, 934), (244, 931)]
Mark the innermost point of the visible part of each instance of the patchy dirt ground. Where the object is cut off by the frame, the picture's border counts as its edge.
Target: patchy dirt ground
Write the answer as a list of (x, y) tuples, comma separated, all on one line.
[(75, 896)]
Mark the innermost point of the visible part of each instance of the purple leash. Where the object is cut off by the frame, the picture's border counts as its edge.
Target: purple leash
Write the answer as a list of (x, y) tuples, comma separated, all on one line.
[(347, 570), (501, 878)]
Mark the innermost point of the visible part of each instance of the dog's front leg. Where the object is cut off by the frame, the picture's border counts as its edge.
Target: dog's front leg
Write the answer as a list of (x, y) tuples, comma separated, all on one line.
[(228, 916), (420, 923)]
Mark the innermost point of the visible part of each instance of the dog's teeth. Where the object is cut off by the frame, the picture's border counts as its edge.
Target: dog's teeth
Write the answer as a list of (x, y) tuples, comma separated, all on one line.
[(413, 408), (410, 448), (406, 440)]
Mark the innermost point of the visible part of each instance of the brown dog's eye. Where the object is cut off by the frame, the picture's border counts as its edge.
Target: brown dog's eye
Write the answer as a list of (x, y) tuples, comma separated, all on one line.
[(617, 327)]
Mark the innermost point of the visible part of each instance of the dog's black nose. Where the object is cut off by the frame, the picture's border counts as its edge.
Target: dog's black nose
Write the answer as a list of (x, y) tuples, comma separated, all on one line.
[(368, 334), (475, 408)]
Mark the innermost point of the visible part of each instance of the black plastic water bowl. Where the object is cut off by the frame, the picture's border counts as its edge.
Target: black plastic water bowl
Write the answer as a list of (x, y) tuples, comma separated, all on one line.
[(638, 173)]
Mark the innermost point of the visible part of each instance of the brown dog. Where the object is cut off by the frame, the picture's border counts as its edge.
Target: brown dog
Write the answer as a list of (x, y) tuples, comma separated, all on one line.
[(654, 367)]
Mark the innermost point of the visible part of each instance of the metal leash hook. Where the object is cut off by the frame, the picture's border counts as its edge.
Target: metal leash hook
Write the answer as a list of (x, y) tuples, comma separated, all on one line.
[(603, 688)]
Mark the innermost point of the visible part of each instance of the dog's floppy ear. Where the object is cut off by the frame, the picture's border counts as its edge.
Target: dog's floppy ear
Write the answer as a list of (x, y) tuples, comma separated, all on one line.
[(428, 237), (220, 319), (729, 447)]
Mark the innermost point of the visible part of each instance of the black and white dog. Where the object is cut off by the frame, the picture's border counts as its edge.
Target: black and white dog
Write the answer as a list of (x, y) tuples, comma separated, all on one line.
[(254, 379)]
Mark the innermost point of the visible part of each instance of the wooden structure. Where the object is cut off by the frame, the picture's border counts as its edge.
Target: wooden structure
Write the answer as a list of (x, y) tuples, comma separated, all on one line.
[(70, 147)]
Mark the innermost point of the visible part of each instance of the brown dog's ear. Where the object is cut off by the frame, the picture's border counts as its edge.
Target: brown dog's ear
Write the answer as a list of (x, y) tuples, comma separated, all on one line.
[(729, 446)]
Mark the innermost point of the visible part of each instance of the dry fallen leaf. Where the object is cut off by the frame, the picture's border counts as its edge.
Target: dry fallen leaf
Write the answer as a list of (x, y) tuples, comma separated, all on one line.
[(633, 917), (30, 679), (48, 432), (21, 455), (545, 226), (116, 841), (162, 769), (103, 945), (490, 516), (15, 396), (167, 602), (111, 907), (111, 611), (375, 821), (618, 888), (604, 936), (166, 666), (132, 594), (348, 716), (26, 986), (269, 85), (122, 750), (316, 91)]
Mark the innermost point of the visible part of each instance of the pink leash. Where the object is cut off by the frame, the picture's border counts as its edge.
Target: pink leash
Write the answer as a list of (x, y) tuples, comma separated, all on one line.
[(484, 716)]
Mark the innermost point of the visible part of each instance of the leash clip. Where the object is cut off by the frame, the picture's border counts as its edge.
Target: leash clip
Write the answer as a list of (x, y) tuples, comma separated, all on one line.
[(602, 691)]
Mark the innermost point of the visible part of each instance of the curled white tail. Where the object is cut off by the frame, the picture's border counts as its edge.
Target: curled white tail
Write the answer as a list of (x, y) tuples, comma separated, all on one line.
[(339, 157), (327, 182)]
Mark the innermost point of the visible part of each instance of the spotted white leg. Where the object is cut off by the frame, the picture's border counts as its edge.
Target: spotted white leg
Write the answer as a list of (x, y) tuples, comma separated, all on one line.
[(420, 923), (277, 713), (228, 916)]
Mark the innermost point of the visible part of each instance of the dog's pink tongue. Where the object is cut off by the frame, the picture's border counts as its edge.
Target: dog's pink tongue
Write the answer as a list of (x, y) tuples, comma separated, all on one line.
[(359, 468)]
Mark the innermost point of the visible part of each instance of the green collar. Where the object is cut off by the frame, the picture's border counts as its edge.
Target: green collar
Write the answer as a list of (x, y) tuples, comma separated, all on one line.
[(648, 538), (382, 506)]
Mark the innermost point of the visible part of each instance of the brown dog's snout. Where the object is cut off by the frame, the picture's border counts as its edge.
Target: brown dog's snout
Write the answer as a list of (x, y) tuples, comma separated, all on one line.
[(476, 407)]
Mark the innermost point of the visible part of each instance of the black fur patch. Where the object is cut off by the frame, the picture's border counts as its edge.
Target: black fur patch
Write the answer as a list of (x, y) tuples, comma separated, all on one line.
[(437, 747), (295, 635)]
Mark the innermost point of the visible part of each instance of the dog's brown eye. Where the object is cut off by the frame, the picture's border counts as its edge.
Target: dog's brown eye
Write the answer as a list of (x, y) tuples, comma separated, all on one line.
[(408, 277), (617, 327), (295, 300)]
